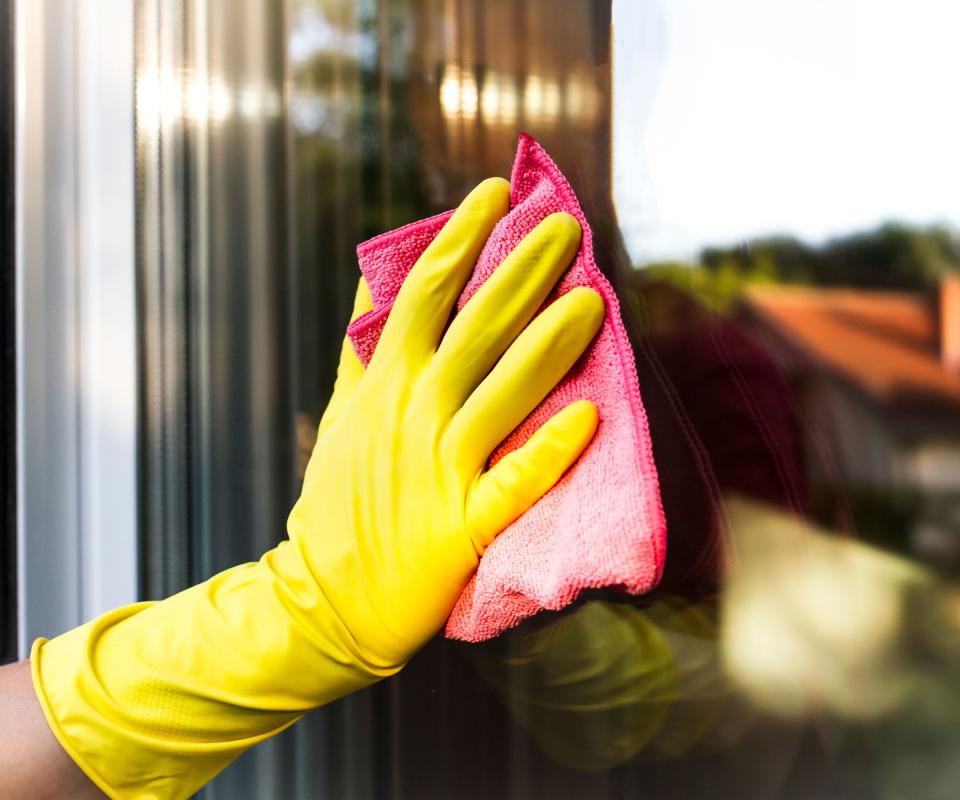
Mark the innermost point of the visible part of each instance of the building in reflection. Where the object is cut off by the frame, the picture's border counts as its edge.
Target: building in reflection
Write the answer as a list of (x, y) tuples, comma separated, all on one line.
[(878, 375)]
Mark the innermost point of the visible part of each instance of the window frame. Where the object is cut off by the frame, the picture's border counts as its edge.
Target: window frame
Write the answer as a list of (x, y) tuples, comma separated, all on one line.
[(8, 453), (76, 365)]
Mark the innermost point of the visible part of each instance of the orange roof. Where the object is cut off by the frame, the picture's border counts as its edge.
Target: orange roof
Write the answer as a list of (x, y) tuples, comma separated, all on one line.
[(885, 343)]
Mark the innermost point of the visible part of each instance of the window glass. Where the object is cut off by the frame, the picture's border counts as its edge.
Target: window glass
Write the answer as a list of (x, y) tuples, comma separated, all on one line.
[(771, 189)]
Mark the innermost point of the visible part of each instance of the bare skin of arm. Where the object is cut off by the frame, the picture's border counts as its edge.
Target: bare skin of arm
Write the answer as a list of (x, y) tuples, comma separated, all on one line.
[(33, 765)]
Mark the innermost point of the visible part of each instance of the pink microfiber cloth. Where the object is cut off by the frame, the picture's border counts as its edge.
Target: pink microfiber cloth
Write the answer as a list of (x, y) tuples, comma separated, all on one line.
[(602, 524)]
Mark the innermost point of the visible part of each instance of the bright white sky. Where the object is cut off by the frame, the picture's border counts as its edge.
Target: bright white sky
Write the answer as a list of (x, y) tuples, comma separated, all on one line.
[(734, 118)]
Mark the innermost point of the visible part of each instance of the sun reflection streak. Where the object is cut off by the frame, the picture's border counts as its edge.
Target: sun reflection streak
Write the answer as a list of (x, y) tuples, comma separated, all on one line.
[(172, 98), (502, 98)]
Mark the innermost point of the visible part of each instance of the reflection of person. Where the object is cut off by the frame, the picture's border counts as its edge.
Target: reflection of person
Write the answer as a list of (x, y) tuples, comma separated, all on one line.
[(154, 699)]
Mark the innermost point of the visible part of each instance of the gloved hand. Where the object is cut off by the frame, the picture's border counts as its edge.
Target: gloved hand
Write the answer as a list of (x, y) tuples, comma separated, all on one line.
[(154, 699)]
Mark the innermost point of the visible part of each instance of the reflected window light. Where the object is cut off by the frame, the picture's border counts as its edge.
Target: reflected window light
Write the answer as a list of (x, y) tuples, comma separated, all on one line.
[(249, 101), (542, 99), (533, 97), (160, 101), (258, 102), (581, 99), (170, 100), (205, 101), (509, 104), (490, 97), (459, 95), (219, 102), (468, 95), (551, 100), (450, 91), (195, 99)]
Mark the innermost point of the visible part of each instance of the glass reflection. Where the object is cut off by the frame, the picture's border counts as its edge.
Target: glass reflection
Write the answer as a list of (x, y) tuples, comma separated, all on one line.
[(796, 641), (774, 198)]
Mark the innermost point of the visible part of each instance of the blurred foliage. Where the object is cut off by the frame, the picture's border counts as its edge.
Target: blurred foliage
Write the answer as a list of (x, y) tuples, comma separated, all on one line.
[(893, 518), (356, 165), (892, 256), (390, 157)]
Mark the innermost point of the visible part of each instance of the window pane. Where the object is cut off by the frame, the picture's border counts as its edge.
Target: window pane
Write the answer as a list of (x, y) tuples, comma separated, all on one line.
[(772, 195)]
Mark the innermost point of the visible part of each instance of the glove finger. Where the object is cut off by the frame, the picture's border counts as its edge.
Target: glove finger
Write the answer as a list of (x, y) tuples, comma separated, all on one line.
[(531, 367), (519, 479), (350, 369), (427, 296), (502, 307)]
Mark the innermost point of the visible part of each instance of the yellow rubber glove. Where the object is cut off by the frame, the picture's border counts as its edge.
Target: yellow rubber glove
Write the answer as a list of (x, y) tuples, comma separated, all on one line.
[(154, 699)]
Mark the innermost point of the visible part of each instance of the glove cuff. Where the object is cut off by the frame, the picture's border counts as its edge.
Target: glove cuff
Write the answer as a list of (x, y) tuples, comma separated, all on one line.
[(154, 699)]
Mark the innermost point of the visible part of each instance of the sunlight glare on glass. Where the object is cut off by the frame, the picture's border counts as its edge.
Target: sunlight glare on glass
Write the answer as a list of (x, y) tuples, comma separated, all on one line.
[(468, 95), (450, 91)]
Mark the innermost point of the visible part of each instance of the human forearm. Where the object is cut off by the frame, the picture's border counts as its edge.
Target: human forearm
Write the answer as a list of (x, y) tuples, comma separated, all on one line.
[(33, 765)]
